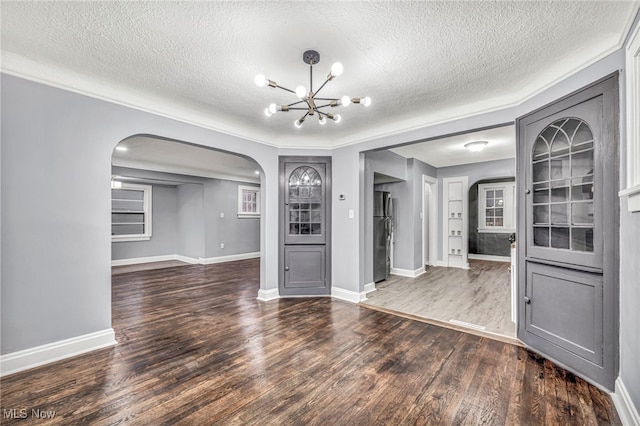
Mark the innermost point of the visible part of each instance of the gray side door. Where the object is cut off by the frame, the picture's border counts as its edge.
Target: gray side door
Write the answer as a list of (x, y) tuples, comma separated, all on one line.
[(305, 226), (567, 231)]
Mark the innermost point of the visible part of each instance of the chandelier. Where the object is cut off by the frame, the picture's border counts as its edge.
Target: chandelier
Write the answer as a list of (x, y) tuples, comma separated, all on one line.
[(309, 100)]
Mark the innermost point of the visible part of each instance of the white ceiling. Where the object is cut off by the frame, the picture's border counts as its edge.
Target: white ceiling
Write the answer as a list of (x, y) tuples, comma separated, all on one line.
[(420, 62), (168, 156), (450, 151)]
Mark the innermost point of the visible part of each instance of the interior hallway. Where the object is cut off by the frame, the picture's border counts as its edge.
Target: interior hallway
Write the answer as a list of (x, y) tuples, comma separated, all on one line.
[(480, 296)]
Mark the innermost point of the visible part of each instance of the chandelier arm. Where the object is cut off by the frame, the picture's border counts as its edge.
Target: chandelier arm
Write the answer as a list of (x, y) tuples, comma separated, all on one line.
[(298, 109), (296, 103), (322, 106), (326, 99), (311, 77), (325, 82), (288, 90)]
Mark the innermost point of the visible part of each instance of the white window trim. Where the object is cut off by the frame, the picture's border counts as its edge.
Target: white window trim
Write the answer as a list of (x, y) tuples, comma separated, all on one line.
[(633, 124), (147, 189), (242, 214), (509, 224)]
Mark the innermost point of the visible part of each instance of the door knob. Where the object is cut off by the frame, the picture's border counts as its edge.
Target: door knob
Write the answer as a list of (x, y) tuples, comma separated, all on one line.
[(527, 191), (527, 300), (286, 268)]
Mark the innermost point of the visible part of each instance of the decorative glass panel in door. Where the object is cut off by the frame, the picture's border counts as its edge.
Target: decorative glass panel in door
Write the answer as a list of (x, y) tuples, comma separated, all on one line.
[(305, 204)]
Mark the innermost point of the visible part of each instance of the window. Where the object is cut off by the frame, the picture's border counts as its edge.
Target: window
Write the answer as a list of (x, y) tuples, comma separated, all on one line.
[(248, 201), (131, 213), (496, 207)]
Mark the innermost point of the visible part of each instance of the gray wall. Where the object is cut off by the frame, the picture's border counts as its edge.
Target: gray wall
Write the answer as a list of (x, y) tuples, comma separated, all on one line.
[(485, 243), (56, 250), (191, 220), (475, 172), (164, 221), (239, 235)]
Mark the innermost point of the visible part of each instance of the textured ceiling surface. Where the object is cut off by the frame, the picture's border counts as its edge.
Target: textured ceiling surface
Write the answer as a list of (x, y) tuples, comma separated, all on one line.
[(450, 151), (420, 62)]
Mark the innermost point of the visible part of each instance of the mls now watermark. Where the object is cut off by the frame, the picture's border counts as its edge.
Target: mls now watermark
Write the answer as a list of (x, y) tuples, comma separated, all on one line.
[(23, 413)]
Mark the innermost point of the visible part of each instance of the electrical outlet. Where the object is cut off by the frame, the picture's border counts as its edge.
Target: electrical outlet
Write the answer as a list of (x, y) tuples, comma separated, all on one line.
[(351, 215), (221, 245)]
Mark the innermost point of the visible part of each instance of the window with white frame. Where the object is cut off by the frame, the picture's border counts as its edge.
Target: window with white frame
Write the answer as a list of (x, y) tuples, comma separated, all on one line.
[(248, 201), (131, 212), (496, 207)]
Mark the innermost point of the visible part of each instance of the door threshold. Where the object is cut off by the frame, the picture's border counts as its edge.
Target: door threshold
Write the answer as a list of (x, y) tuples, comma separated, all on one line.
[(457, 325)]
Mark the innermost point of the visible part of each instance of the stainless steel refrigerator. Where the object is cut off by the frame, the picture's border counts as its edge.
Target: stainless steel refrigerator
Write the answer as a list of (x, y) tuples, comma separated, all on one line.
[(382, 233)]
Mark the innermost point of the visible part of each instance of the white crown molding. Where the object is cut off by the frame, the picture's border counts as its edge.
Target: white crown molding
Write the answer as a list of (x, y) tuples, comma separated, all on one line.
[(40, 355), (22, 67), (348, 295), (627, 412)]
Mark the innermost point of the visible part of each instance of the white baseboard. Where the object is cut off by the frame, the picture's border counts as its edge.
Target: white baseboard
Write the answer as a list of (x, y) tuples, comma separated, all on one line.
[(229, 258), (45, 354), (442, 263), (270, 294), (407, 272), (348, 295), (627, 412), (186, 259), (368, 288), (489, 257)]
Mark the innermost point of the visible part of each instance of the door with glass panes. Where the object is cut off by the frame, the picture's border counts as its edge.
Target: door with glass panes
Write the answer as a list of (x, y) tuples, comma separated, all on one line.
[(304, 251), (567, 184)]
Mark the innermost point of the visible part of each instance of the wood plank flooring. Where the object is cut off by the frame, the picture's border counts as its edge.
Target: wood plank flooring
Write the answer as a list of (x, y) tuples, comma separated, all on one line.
[(196, 347), (480, 295)]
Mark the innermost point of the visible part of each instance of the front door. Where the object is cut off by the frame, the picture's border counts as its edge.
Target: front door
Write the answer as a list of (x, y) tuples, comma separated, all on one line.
[(567, 232)]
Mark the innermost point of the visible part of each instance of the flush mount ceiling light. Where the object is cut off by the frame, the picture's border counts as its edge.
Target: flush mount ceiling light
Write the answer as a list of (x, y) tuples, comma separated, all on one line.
[(309, 97), (476, 146)]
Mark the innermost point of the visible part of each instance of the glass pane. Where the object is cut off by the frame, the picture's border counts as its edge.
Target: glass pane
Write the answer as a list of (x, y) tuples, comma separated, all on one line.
[(540, 194), (582, 239), (489, 213), (293, 192), (315, 228), (583, 134), (294, 229), (315, 206), (582, 147), (582, 213), (498, 213), (541, 237), (294, 216), (127, 205), (540, 150), (540, 214), (541, 171), (499, 202), (305, 228), (582, 189), (570, 127), (304, 216), (582, 163), (490, 222), (315, 216), (548, 133), (560, 168), (499, 222), (121, 218), (560, 238), (295, 206), (560, 191), (560, 144), (560, 214), (127, 194), (127, 229), (304, 192), (490, 194), (489, 202)]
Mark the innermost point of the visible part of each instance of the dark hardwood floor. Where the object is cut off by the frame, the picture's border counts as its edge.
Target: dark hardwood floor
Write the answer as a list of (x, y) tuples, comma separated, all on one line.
[(196, 347)]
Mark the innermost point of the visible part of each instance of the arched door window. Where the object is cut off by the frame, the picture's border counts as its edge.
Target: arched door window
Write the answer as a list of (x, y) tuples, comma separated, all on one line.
[(305, 201), (563, 186)]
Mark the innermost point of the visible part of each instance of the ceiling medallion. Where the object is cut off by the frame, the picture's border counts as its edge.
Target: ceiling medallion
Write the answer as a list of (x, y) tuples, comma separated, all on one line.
[(309, 97)]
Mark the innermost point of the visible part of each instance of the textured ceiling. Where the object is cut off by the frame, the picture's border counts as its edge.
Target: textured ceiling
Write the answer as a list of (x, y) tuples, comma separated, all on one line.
[(450, 151), (420, 62)]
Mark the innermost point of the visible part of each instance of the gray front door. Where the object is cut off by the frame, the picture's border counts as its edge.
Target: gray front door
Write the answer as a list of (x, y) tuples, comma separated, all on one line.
[(304, 236), (567, 231)]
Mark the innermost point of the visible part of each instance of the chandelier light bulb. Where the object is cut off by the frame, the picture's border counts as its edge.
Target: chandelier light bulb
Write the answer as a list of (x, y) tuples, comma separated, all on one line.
[(301, 92), (298, 123), (273, 108), (322, 120), (337, 118), (336, 69), (345, 100), (366, 101), (267, 112), (260, 80)]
